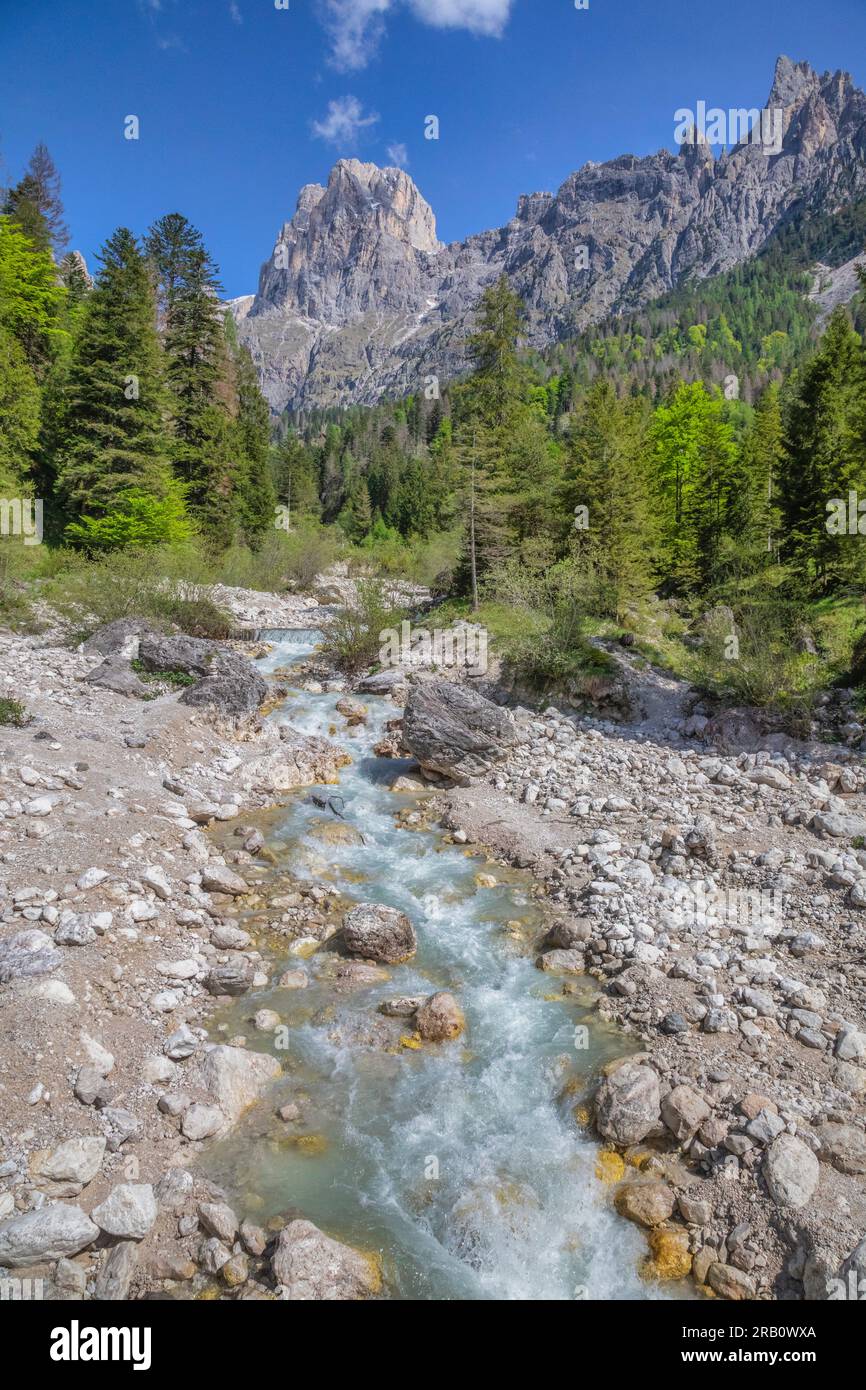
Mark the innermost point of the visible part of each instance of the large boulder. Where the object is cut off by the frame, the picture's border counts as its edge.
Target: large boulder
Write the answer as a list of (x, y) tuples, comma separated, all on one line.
[(119, 638), (116, 674), (791, 1171), (236, 693), (224, 680), (236, 1078), (51, 1232), (628, 1104), (301, 760), (453, 730), (311, 1266), (379, 933)]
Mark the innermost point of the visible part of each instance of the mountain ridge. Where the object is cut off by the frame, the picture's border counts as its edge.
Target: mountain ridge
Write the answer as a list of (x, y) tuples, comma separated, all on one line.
[(360, 299)]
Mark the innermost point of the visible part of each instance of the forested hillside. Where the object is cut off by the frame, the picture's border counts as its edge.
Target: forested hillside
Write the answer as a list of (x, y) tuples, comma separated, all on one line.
[(690, 453)]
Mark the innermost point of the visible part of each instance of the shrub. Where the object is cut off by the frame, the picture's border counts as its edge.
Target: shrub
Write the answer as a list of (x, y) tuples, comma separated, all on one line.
[(352, 636), (13, 714), (129, 584)]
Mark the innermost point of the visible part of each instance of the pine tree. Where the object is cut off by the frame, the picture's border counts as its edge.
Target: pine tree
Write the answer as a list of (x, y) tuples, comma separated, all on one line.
[(821, 462), (492, 404), (756, 504), (252, 428), (114, 438), (605, 474), (36, 205), (197, 373)]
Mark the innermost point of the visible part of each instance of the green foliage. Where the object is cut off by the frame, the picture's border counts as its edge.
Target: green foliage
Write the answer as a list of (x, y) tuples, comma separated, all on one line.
[(352, 637), (123, 584), (137, 521), (13, 714), (111, 436), (30, 297)]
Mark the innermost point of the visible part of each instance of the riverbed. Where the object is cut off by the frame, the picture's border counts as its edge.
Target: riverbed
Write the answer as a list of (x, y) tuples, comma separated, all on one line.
[(462, 1165)]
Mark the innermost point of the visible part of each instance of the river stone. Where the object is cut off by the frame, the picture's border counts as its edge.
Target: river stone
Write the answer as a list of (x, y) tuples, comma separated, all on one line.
[(115, 1277), (49, 1233), (27, 953), (628, 1104), (647, 1203), (379, 933), (313, 1267), (440, 1018), (566, 962), (202, 1121), (731, 1283), (844, 1146), (219, 878), (218, 1220), (231, 979), (453, 730), (236, 1078), (226, 679), (382, 682), (128, 1211), (791, 1171), (76, 1160), (851, 1046)]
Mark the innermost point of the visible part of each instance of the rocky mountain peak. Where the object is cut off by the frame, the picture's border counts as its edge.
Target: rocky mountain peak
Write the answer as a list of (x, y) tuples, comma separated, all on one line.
[(360, 298)]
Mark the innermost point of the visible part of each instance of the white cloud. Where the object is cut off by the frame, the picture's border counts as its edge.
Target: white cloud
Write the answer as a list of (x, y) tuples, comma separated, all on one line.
[(356, 26), (399, 155), (478, 16), (344, 121), (235, 12)]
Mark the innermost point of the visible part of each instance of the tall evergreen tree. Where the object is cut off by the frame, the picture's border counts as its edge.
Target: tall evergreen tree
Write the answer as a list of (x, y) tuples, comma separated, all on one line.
[(820, 455), (252, 429), (35, 203), (113, 434), (196, 371), (605, 474)]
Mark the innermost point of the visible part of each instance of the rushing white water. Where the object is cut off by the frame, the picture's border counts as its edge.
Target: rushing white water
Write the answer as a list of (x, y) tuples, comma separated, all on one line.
[(461, 1163)]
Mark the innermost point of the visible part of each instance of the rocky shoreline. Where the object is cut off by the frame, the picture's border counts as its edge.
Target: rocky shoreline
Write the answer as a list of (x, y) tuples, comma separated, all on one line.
[(120, 935), (717, 895)]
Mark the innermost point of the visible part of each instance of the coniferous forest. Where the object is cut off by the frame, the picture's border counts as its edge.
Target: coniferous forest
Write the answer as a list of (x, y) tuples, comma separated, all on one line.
[(702, 456)]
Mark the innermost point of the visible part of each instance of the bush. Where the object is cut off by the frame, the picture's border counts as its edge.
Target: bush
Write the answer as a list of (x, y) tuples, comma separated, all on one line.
[(767, 665), (125, 585), (13, 714), (352, 636), (138, 520)]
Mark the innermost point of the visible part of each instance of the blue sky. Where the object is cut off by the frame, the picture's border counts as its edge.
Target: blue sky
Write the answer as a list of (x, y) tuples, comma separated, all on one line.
[(241, 103)]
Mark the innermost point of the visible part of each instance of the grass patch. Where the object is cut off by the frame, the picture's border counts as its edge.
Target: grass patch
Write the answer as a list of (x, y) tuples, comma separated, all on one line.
[(177, 678)]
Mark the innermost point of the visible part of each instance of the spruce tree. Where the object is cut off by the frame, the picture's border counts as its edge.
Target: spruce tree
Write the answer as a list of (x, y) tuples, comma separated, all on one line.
[(252, 429), (36, 205), (197, 373), (821, 463), (605, 473), (113, 430)]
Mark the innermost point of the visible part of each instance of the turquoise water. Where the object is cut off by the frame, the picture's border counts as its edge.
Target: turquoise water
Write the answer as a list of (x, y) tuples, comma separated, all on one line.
[(462, 1164)]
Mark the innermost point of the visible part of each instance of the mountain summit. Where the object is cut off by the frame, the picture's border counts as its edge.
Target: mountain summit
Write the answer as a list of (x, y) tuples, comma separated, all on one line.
[(360, 299)]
